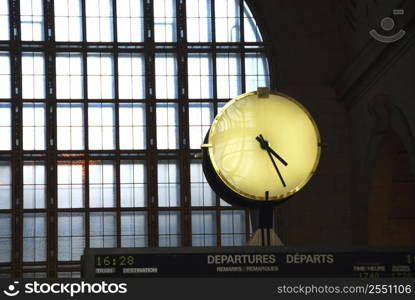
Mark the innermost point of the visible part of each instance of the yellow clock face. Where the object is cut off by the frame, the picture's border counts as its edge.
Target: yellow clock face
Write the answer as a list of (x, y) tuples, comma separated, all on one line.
[(258, 145)]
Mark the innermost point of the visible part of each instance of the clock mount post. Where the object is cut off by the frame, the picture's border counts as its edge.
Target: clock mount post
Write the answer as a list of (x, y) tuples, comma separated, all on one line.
[(262, 222)]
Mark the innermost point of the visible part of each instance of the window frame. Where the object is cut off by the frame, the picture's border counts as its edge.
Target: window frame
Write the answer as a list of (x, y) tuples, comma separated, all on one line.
[(51, 156)]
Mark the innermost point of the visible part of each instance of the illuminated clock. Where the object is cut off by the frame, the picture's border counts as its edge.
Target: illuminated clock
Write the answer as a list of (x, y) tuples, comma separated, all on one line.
[(261, 146)]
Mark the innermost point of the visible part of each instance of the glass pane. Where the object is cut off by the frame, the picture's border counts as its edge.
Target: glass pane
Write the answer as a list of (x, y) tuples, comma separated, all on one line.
[(200, 118), (71, 179), (200, 76), (199, 28), (227, 22), (99, 20), (70, 129), (130, 21), (134, 229), (256, 71), (34, 129), (164, 21), (201, 193), (169, 229), (34, 185), (166, 76), (101, 127), (68, 20), (31, 20), (71, 236), (5, 236), (103, 229), (228, 75), (34, 237), (100, 76), (4, 20), (5, 185), (131, 78), (33, 75), (132, 126), (5, 126), (69, 274), (233, 228), (5, 74), (168, 183), (69, 79), (203, 228), (167, 126), (101, 184), (133, 184)]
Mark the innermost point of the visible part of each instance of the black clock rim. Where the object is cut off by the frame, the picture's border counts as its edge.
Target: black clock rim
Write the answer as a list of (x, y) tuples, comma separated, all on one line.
[(227, 194)]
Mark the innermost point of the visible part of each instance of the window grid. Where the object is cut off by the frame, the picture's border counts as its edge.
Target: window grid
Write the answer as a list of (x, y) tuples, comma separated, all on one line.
[(74, 227)]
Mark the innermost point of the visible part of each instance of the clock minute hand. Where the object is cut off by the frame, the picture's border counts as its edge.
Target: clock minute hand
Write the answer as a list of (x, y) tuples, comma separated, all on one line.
[(265, 144)]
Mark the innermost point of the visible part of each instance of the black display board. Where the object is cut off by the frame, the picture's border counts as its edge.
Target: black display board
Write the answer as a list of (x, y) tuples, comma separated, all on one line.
[(248, 262)]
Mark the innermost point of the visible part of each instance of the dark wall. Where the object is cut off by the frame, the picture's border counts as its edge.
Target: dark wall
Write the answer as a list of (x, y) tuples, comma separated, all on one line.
[(324, 56), (308, 56)]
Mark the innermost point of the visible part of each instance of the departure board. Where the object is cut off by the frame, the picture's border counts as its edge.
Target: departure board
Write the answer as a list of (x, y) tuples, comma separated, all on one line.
[(248, 262)]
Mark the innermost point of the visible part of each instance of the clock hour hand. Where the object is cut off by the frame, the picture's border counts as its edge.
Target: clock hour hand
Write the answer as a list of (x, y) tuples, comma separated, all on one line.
[(265, 146)]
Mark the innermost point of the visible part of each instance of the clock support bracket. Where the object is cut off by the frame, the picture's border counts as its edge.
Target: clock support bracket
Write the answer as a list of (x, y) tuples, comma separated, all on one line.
[(262, 220)]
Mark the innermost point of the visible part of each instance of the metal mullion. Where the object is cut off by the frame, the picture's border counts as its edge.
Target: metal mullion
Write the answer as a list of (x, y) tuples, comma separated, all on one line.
[(160, 100), (183, 121), (35, 210), (221, 49), (151, 123), (115, 74), (87, 209), (214, 67), (118, 200), (18, 221), (103, 101), (171, 209), (215, 101), (104, 209), (84, 52), (7, 101), (51, 137), (242, 42), (36, 158), (218, 210), (117, 126), (140, 154), (17, 128)]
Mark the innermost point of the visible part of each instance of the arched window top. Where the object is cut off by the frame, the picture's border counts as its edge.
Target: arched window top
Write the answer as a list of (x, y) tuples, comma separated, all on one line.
[(234, 21), (252, 32)]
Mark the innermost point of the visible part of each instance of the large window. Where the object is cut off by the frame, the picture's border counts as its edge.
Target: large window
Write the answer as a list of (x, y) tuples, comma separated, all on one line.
[(103, 107)]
